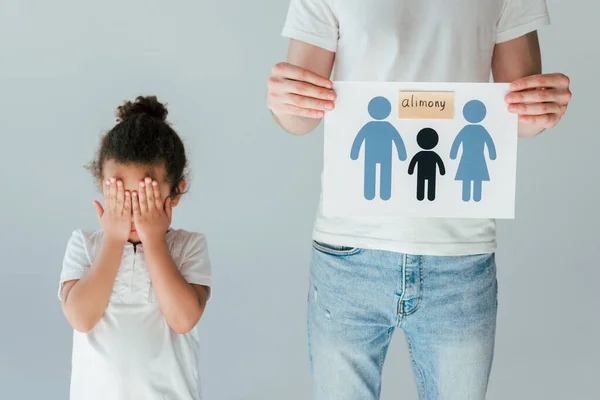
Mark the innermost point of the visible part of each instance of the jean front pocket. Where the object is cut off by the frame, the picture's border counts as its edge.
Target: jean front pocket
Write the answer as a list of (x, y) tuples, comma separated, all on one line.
[(335, 250)]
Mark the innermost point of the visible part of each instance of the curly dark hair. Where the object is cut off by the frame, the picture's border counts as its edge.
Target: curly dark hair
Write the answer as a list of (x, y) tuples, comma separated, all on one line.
[(143, 136)]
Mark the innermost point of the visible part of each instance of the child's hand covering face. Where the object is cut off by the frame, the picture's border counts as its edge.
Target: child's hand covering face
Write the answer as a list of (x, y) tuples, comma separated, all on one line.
[(154, 213), (115, 219), (151, 216)]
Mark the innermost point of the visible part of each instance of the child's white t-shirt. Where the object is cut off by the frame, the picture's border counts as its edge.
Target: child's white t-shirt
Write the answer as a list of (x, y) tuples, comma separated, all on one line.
[(132, 353)]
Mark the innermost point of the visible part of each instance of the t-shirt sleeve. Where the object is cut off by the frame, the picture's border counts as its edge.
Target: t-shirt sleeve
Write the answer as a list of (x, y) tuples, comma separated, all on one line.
[(195, 263), (312, 22), (76, 261), (520, 17)]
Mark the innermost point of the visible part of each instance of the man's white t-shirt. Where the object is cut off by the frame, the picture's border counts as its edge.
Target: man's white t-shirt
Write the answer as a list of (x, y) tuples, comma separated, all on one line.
[(411, 41), (132, 353)]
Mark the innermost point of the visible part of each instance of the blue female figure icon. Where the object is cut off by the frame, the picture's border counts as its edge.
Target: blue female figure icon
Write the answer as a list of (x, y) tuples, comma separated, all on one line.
[(379, 137), (472, 169)]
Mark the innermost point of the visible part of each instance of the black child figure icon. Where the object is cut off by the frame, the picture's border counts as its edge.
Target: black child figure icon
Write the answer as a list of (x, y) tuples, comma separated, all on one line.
[(426, 162)]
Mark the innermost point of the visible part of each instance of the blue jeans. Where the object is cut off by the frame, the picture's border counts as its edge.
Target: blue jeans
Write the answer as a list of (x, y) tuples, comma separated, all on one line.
[(446, 307)]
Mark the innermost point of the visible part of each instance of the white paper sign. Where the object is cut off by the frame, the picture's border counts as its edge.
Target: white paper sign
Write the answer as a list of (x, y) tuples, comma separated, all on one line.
[(420, 150)]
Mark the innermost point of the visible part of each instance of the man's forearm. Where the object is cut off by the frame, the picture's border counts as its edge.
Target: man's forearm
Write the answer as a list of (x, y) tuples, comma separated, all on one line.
[(86, 301), (516, 59), (177, 299)]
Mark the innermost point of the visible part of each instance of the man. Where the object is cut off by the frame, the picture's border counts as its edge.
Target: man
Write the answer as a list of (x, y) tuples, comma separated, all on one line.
[(434, 278)]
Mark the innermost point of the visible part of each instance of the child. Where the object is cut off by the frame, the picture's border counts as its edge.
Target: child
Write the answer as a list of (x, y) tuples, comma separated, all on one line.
[(426, 161), (135, 290)]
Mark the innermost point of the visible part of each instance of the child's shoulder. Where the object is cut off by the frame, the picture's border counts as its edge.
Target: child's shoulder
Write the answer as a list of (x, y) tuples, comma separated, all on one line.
[(184, 244), (84, 242), (85, 237), (186, 238)]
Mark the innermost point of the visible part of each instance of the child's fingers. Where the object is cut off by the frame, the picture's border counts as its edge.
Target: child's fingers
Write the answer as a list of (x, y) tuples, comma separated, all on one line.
[(120, 197), (135, 204), (150, 194), (99, 209), (142, 198), (168, 208), (112, 194), (157, 202), (106, 192), (127, 205)]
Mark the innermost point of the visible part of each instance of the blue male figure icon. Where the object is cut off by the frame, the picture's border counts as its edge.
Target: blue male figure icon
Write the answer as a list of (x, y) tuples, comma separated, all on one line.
[(474, 138), (379, 137)]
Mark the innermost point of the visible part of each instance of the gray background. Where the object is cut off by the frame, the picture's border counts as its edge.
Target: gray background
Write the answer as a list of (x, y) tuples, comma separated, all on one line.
[(66, 65)]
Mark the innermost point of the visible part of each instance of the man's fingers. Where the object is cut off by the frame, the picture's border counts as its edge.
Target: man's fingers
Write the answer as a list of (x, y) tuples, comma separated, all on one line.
[(282, 85), (120, 197), (298, 91), (557, 80), (142, 198), (308, 102), (99, 209), (307, 90), (301, 112), (535, 108), (545, 120), (290, 71), (539, 96)]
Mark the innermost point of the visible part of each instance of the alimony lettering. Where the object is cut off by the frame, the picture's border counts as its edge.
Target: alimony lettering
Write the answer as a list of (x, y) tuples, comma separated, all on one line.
[(426, 105), (417, 102)]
